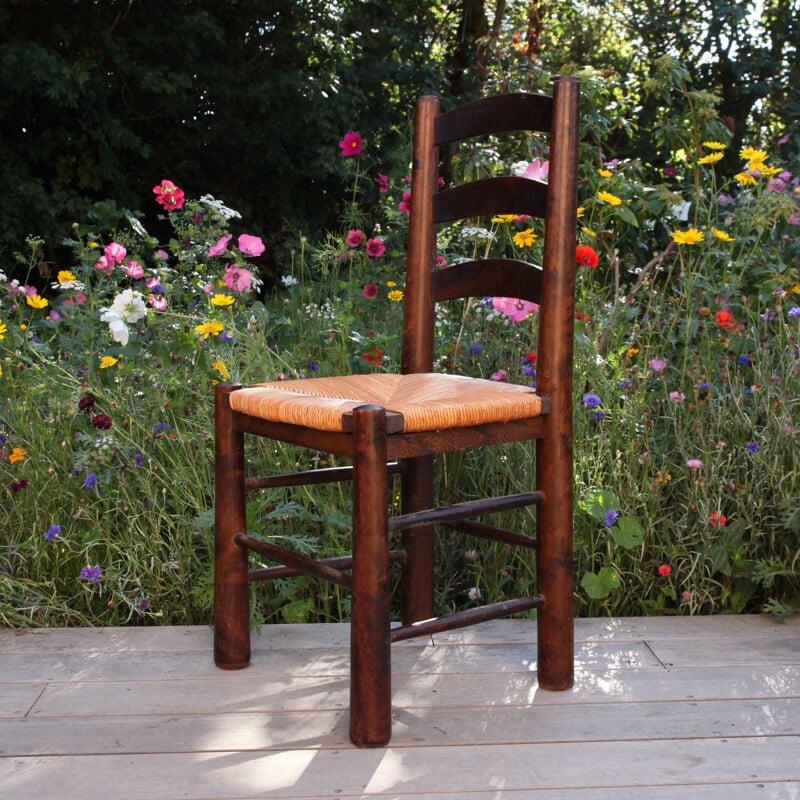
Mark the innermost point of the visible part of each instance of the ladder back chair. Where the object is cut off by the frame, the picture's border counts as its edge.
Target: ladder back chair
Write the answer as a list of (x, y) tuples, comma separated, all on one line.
[(388, 424)]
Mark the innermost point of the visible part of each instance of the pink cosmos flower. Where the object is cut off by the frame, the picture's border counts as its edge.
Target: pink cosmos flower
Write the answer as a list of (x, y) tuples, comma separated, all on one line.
[(133, 269), (383, 183), (115, 253), (500, 375), (677, 397), (354, 238), (104, 265), (658, 364), (157, 302), (169, 195), (237, 278), (375, 248), (405, 204), (537, 170), (250, 245), (162, 254), (351, 144), (694, 463), (516, 310), (220, 247), (370, 291)]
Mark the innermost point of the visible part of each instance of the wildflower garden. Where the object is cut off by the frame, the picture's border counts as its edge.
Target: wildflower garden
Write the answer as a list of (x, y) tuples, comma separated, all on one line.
[(687, 402)]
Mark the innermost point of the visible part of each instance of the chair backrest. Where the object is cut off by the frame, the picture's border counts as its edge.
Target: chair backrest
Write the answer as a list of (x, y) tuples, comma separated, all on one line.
[(553, 284)]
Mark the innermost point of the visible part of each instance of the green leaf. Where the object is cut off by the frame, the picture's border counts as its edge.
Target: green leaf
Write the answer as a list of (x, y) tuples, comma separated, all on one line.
[(627, 532), (297, 611), (596, 504), (600, 585)]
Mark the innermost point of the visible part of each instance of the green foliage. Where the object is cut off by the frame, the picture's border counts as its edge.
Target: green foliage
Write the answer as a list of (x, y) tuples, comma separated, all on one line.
[(687, 379)]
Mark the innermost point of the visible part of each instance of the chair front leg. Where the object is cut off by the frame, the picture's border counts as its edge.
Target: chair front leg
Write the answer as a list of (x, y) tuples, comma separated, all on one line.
[(231, 606), (370, 656)]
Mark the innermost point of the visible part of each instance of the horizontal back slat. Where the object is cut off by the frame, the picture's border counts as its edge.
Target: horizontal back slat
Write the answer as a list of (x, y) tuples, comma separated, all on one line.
[(497, 277), (490, 196), (498, 114)]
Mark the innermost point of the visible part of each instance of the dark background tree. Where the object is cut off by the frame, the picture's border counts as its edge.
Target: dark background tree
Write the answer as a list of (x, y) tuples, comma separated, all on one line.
[(245, 100)]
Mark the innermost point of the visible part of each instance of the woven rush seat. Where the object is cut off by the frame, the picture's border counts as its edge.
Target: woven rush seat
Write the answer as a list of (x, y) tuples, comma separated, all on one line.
[(427, 401)]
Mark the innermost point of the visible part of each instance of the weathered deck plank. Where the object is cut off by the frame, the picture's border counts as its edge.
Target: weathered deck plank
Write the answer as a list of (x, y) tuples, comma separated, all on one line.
[(666, 708)]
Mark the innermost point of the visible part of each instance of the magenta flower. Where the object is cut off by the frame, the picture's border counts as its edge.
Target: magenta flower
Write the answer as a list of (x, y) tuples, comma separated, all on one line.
[(104, 265), (115, 253), (500, 375), (220, 247), (516, 310), (354, 238), (351, 144), (375, 248), (370, 291), (405, 204), (157, 302), (383, 183), (133, 269), (237, 278), (658, 364), (250, 245)]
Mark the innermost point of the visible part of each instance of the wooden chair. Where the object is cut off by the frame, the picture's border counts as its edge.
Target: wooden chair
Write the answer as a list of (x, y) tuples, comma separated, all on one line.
[(395, 424)]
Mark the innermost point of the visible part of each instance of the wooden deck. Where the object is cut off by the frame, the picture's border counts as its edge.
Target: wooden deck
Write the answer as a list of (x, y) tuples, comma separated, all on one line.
[(663, 709)]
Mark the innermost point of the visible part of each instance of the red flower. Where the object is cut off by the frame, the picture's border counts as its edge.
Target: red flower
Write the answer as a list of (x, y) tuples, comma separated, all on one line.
[(587, 256), (717, 519), (370, 291), (664, 570), (86, 403), (169, 195), (724, 319), (375, 357), (101, 421)]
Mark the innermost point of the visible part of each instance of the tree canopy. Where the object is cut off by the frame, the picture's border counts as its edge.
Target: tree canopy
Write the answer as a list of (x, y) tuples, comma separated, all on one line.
[(247, 99)]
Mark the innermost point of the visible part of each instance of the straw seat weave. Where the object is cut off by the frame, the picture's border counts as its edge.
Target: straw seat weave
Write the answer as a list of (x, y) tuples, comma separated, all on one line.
[(427, 401)]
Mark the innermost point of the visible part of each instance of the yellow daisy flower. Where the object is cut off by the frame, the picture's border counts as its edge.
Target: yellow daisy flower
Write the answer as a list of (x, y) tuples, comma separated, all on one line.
[(504, 219), (721, 235), (524, 238), (745, 179), (206, 329), (750, 154), (36, 301), (712, 145), (691, 236), (395, 295), (108, 361), (604, 173), (711, 158), (609, 199), (219, 367), (221, 300), (581, 211), (591, 234), (3, 330)]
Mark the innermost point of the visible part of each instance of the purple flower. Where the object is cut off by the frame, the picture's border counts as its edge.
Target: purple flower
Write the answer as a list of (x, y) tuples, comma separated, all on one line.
[(794, 311), (610, 519), (752, 447), (313, 366), (743, 360), (476, 349), (52, 532), (91, 574), (139, 460), (226, 336), (91, 481), (591, 400), (160, 427)]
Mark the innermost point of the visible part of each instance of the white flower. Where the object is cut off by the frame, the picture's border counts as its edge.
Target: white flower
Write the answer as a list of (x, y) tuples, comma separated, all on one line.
[(220, 207), (289, 280), (128, 307), (474, 594), (3, 278)]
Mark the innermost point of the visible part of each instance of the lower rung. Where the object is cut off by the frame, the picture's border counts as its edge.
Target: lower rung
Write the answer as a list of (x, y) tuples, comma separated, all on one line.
[(462, 619)]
